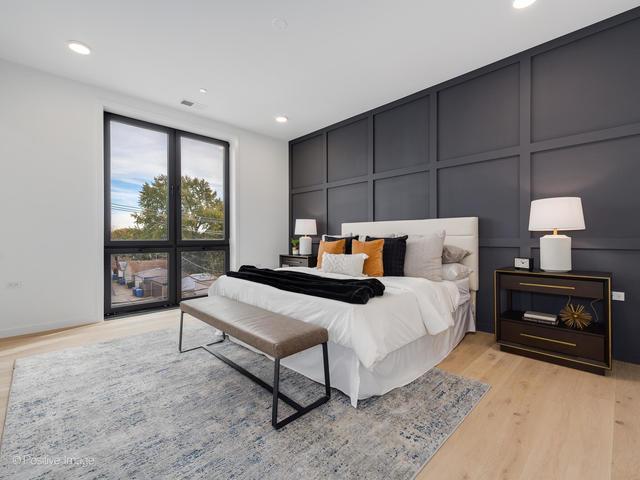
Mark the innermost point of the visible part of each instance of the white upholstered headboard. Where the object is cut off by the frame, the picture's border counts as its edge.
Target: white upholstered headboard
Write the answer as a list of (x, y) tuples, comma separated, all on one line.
[(461, 232)]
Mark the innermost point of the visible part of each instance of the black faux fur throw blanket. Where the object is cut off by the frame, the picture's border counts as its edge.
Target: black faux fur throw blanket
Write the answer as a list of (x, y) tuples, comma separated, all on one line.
[(349, 291)]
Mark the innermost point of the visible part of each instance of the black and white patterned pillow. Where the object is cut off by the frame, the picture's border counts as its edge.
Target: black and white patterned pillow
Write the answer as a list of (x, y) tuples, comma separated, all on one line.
[(393, 254), (347, 238)]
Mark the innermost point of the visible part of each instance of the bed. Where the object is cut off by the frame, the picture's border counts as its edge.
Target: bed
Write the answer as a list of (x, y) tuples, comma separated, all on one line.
[(391, 340)]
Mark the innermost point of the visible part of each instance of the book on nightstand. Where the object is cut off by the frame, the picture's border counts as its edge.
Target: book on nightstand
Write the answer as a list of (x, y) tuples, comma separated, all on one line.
[(540, 317)]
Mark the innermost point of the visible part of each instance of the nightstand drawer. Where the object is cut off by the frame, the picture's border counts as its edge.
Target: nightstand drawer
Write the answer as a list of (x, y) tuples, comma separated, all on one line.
[(554, 339), (294, 262), (298, 261), (578, 288)]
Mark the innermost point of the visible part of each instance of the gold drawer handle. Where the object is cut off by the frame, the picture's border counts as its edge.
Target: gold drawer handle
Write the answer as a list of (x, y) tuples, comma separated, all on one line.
[(569, 344), (546, 286)]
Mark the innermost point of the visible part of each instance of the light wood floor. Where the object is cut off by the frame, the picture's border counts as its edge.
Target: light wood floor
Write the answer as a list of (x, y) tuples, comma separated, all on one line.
[(539, 421)]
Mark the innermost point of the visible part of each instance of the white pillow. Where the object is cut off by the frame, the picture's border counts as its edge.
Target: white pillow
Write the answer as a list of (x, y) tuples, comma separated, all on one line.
[(324, 236), (351, 265), (424, 256), (363, 238), (455, 271)]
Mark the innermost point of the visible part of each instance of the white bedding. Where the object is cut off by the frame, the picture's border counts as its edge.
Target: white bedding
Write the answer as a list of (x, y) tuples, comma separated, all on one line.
[(409, 309), (399, 368), (463, 288)]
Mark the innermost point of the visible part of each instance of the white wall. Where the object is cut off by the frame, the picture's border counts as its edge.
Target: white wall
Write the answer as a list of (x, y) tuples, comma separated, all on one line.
[(51, 195)]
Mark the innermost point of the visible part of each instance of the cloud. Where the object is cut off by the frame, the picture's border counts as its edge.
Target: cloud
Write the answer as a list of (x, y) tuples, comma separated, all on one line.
[(203, 160), (121, 220), (125, 196), (137, 154), (140, 154)]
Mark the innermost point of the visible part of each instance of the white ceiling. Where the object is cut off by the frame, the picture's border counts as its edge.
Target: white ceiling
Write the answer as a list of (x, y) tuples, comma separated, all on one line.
[(337, 58)]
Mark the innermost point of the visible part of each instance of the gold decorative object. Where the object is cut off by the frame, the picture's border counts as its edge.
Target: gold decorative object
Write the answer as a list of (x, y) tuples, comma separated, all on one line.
[(574, 316)]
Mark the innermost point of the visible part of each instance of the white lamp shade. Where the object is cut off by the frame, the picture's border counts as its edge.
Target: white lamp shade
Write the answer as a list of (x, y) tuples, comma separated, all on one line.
[(306, 226), (561, 213)]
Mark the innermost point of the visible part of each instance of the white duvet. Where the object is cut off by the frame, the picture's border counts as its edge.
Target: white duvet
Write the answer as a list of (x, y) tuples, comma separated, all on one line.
[(409, 309)]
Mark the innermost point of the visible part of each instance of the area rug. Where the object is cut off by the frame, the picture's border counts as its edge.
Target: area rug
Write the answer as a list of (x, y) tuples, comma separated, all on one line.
[(136, 408)]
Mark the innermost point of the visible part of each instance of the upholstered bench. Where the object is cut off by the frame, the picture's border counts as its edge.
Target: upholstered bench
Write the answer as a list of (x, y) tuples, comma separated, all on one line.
[(275, 335)]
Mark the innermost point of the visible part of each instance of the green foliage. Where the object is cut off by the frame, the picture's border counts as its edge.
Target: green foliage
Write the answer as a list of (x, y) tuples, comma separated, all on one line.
[(152, 219), (126, 234), (295, 242), (202, 212), (203, 261)]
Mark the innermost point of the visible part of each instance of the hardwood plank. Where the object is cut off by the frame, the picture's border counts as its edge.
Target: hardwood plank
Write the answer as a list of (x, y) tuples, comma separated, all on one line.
[(464, 455), (626, 427), (570, 421), (538, 420), (26, 345)]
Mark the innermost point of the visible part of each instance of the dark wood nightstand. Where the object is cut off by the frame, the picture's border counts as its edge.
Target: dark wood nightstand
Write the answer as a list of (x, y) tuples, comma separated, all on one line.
[(517, 290), (298, 261)]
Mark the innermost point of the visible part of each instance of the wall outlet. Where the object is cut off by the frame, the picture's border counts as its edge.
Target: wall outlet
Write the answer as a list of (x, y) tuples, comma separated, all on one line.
[(15, 284), (618, 296)]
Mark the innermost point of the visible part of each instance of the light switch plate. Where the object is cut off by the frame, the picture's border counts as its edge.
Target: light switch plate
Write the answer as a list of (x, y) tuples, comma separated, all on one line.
[(618, 296)]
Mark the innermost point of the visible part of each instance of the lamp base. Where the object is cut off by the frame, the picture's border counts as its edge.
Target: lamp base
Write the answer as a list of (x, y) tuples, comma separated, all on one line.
[(305, 245), (555, 253)]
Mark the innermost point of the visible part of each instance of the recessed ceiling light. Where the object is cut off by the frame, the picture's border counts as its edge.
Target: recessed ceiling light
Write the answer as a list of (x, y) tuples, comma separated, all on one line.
[(79, 47), (523, 3), (282, 119), (203, 90), (279, 24)]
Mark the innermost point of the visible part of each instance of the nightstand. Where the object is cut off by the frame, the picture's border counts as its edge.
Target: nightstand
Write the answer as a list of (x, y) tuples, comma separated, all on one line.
[(516, 291), (298, 261)]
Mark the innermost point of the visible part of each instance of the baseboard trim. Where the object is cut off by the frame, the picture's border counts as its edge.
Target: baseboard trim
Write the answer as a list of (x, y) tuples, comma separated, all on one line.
[(41, 328)]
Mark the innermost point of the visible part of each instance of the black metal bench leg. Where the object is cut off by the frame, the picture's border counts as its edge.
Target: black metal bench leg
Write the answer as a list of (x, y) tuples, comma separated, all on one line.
[(224, 336), (299, 409), (276, 391), (325, 361)]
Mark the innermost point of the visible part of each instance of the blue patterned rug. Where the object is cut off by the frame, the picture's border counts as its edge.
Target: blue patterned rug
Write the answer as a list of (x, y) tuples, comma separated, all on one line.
[(136, 408)]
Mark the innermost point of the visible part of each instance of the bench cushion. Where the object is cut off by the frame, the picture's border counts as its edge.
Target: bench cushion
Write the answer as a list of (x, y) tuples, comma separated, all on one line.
[(271, 333)]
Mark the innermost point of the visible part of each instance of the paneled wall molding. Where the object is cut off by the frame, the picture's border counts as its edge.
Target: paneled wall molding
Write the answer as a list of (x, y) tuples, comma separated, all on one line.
[(599, 243), (560, 119), (310, 188), (338, 183), (402, 171), (524, 171), (479, 157), (587, 137)]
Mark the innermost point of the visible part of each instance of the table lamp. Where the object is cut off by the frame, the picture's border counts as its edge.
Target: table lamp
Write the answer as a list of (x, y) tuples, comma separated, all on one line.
[(553, 214), (305, 227)]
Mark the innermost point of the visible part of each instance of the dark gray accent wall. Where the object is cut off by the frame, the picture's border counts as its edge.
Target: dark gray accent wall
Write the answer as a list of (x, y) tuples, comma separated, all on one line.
[(562, 118)]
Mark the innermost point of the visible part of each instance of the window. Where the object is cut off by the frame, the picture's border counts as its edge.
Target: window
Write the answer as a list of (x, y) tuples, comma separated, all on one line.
[(166, 214)]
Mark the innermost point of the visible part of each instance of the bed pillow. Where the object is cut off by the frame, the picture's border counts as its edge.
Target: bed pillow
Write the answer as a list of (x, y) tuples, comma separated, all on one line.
[(363, 238), (424, 256), (345, 264), (453, 254), (329, 247), (347, 238), (455, 271), (373, 266), (326, 237), (393, 253)]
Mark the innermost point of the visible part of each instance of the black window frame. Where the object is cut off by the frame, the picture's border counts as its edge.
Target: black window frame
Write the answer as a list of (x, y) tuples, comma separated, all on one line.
[(173, 245)]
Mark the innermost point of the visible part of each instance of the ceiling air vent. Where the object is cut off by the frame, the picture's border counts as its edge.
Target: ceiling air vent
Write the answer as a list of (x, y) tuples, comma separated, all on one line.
[(187, 103)]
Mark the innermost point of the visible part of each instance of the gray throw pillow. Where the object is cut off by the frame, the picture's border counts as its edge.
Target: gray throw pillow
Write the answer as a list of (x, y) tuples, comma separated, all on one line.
[(424, 256), (453, 254)]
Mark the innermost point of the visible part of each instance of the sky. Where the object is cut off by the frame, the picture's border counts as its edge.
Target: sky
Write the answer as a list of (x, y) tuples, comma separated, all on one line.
[(139, 154)]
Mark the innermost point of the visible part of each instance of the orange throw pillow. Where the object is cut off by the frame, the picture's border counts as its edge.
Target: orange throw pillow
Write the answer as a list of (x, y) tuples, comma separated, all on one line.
[(372, 265), (336, 247)]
